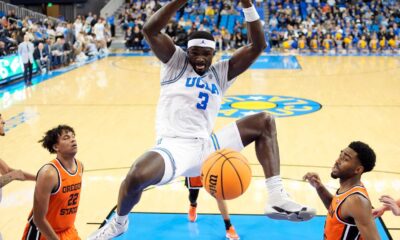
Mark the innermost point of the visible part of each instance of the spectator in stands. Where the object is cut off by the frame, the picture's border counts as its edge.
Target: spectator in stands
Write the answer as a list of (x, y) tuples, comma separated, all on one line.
[(373, 44), (29, 33), (210, 12), (226, 10), (89, 18), (57, 52), (137, 38), (348, 43), (69, 34), (94, 20), (79, 47), (50, 32), (68, 53), (37, 35), (129, 38), (91, 48), (171, 29), (302, 44), (78, 25), (25, 51), (111, 22), (362, 45), (60, 29), (3, 51), (98, 29), (328, 44), (218, 38), (239, 40), (226, 38), (314, 45), (42, 59), (107, 36), (11, 17), (383, 44), (100, 35)]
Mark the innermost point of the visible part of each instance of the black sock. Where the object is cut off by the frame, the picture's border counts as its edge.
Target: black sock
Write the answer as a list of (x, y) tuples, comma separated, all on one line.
[(227, 223), (193, 195)]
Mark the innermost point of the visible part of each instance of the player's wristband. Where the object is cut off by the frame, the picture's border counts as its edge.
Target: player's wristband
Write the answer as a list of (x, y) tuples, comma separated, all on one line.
[(250, 14)]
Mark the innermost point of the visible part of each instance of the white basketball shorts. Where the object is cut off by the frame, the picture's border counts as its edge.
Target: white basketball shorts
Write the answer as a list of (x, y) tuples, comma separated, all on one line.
[(184, 157)]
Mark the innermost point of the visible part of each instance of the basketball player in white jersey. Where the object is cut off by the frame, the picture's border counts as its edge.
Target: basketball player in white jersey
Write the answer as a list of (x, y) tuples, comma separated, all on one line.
[(191, 93)]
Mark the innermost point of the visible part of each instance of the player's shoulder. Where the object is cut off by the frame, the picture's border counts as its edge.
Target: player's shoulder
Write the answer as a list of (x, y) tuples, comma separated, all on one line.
[(48, 169), (220, 61), (48, 173), (357, 200)]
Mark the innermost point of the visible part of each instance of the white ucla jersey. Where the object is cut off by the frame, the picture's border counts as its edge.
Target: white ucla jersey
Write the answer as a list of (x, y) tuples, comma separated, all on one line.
[(189, 103)]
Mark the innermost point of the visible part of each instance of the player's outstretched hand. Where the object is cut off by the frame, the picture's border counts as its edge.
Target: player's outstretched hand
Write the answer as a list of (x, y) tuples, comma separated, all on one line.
[(390, 203), (313, 179), (378, 212), (18, 175)]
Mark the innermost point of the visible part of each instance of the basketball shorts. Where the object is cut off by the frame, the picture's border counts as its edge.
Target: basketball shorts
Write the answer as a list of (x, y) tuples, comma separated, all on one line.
[(193, 182), (184, 156), (32, 233)]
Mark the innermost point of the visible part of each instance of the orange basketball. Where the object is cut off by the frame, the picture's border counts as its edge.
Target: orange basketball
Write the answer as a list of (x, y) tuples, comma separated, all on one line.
[(226, 174)]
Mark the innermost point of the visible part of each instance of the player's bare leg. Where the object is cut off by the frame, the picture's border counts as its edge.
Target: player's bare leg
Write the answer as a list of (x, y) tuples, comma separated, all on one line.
[(147, 170), (261, 129)]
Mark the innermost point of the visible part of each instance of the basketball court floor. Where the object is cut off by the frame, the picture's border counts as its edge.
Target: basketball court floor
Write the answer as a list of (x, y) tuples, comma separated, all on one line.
[(322, 103)]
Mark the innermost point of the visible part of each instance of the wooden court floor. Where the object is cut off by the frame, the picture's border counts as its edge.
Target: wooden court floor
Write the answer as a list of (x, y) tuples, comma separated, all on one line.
[(111, 104)]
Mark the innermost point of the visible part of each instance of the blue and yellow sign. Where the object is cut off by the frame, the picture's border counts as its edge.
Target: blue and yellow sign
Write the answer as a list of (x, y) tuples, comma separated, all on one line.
[(238, 106)]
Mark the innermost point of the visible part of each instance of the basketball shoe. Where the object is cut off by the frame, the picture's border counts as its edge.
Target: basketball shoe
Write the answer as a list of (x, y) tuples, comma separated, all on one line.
[(231, 234), (110, 230), (288, 209), (192, 215)]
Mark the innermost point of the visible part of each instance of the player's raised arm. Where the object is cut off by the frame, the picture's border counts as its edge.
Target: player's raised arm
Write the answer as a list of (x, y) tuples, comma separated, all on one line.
[(323, 193), (161, 44), (246, 55)]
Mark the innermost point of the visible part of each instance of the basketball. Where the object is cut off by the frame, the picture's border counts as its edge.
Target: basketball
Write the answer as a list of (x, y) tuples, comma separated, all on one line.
[(226, 174)]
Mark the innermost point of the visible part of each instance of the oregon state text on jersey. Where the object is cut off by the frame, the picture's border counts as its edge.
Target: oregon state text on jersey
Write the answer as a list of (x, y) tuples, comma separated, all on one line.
[(63, 204), (337, 228)]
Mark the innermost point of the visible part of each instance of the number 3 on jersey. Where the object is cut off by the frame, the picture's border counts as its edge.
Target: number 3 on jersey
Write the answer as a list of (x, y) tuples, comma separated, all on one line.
[(203, 101)]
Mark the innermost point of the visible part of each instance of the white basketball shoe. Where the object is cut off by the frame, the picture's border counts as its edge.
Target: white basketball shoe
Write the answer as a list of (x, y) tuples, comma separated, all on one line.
[(110, 230), (287, 209)]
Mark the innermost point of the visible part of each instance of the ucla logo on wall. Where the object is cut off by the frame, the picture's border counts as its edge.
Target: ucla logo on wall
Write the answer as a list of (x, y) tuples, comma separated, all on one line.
[(238, 106)]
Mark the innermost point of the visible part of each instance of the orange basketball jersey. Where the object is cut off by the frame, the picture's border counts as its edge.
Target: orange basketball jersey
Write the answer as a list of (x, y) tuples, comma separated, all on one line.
[(337, 228), (63, 204)]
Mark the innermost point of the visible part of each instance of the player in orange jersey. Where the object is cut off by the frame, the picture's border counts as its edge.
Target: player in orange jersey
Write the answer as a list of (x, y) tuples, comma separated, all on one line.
[(349, 210), (57, 191), (194, 184)]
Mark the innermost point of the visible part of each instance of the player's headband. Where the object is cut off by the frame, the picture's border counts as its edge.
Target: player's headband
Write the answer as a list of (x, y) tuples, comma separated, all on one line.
[(201, 42)]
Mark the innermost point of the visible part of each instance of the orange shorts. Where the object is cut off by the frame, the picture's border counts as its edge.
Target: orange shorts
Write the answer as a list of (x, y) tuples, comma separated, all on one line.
[(31, 232), (193, 182)]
